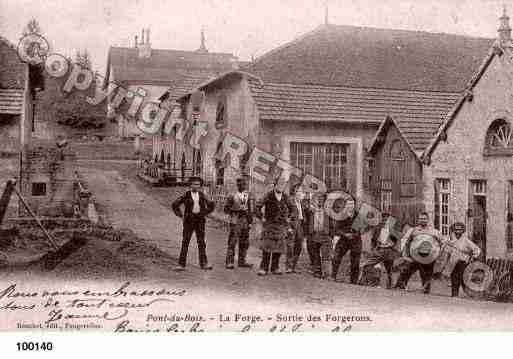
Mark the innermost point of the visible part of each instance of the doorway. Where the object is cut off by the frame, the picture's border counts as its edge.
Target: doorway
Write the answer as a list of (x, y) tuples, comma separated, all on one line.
[(479, 215)]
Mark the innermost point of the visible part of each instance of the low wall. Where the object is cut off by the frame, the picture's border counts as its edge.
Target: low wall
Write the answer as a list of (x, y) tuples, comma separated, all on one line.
[(110, 150)]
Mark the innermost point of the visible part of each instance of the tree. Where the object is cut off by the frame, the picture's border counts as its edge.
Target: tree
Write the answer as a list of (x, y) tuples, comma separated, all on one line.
[(32, 27)]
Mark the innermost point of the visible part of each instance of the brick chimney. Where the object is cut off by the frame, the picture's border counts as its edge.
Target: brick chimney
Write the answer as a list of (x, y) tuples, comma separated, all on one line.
[(145, 45), (504, 29), (203, 47)]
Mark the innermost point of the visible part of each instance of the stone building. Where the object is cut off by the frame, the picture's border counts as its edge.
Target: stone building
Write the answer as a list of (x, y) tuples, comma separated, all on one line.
[(155, 71), (464, 162)]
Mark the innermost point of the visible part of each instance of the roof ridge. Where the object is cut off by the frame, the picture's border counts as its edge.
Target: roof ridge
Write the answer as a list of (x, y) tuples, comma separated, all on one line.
[(192, 52), (359, 87), (410, 31)]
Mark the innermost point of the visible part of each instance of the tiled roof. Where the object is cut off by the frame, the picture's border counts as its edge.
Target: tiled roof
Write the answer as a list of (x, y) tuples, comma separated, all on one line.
[(11, 101), (185, 84), (418, 114), (334, 55), (163, 65)]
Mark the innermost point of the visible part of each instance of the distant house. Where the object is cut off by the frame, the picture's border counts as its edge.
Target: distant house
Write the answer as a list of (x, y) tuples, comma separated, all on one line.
[(459, 168), (318, 101), (16, 111), (159, 70)]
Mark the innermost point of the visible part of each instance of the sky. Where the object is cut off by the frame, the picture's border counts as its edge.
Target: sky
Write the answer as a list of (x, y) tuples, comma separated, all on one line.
[(245, 28)]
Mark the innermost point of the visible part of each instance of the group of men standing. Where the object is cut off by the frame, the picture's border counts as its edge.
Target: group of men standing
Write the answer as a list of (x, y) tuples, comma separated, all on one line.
[(289, 219)]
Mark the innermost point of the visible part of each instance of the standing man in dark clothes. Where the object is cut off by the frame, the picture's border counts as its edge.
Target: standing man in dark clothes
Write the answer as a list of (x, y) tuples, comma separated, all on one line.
[(350, 240), (383, 248), (297, 223), (196, 207), (277, 208), (238, 206)]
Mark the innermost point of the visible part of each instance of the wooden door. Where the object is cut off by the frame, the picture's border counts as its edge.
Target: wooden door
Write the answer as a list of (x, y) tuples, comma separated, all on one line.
[(397, 163)]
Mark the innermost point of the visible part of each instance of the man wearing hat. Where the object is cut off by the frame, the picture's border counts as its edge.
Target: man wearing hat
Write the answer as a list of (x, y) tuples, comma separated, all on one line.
[(298, 224), (319, 230), (462, 251), (196, 207), (348, 240), (276, 208), (423, 250), (238, 206)]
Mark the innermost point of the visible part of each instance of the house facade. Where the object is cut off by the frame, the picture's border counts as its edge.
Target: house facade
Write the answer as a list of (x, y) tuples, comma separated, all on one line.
[(154, 71), (465, 166)]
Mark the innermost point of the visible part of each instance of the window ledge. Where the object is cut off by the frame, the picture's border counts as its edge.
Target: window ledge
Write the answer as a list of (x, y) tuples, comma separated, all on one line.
[(498, 152)]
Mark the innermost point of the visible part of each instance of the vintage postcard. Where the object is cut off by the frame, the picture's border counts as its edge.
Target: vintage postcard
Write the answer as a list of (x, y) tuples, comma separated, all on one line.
[(255, 166)]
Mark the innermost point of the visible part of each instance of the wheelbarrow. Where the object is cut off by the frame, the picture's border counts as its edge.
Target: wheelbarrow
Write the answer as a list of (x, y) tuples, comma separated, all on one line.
[(49, 259)]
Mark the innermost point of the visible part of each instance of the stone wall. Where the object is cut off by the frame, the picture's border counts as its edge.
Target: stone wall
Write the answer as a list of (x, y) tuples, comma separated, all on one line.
[(461, 158), (48, 177)]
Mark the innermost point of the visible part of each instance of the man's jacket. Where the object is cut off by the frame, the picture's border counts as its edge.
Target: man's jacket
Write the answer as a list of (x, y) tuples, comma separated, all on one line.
[(236, 210), (206, 206)]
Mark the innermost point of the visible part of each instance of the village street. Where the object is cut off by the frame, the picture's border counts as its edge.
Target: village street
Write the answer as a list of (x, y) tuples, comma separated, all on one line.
[(128, 203)]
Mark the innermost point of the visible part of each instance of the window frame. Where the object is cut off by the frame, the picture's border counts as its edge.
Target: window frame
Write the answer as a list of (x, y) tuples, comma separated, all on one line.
[(34, 192), (443, 195), (494, 150)]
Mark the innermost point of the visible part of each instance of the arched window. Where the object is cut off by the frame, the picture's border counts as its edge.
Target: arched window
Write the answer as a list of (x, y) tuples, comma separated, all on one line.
[(499, 138), (396, 151)]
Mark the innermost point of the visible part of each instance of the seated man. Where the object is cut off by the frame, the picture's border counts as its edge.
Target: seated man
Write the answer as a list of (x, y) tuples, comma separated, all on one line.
[(383, 249)]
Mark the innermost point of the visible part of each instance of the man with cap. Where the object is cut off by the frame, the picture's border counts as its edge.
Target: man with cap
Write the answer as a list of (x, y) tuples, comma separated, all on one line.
[(238, 206), (196, 207), (320, 230), (424, 249), (462, 250), (348, 239), (297, 223), (276, 208)]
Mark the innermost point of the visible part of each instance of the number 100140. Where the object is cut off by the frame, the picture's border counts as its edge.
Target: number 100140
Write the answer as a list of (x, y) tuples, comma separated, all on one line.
[(31, 346)]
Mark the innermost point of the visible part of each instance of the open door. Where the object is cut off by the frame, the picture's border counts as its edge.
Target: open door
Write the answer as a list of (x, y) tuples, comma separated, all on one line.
[(479, 215)]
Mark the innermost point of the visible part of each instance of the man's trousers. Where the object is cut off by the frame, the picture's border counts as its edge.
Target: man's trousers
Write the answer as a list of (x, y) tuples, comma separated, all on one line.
[(345, 244), (294, 246), (426, 274), (457, 277), (194, 224), (386, 256), (239, 234), (319, 248)]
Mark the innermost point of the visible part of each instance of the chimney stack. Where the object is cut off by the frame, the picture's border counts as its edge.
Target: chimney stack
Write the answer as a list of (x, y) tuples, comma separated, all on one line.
[(145, 46), (504, 29), (203, 47)]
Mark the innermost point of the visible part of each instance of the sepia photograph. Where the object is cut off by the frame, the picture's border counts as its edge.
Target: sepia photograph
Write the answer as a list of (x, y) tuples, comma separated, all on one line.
[(223, 166)]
